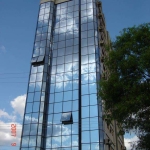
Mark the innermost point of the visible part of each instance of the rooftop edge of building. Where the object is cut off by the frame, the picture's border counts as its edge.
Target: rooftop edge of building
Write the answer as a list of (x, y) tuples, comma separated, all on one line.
[(55, 1)]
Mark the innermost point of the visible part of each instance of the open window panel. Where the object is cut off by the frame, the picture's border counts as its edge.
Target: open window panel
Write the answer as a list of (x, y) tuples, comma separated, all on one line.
[(37, 60), (33, 60), (66, 118)]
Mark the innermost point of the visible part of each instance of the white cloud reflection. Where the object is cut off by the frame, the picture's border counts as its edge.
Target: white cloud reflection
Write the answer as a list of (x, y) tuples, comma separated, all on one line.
[(88, 71), (54, 130)]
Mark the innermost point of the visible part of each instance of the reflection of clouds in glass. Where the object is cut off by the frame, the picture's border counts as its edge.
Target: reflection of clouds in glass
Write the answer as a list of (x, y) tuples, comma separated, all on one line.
[(59, 78), (74, 143), (28, 119), (57, 130), (97, 146), (66, 137), (88, 68), (52, 129), (32, 141), (65, 22), (36, 77), (32, 77), (64, 76), (48, 142), (89, 77), (30, 126), (88, 13), (72, 28), (88, 71)]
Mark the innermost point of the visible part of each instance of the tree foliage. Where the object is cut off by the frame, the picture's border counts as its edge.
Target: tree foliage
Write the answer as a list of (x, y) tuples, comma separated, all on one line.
[(127, 90)]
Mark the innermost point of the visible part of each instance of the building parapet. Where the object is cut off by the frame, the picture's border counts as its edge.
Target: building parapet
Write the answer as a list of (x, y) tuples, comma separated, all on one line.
[(55, 1)]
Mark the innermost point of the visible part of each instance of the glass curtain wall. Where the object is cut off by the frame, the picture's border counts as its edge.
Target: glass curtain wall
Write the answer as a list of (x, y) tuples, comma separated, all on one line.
[(64, 74), (92, 126), (35, 117), (64, 78)]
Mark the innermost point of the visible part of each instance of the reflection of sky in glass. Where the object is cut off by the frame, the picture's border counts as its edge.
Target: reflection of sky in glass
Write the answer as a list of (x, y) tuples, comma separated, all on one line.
[(64, 78), (52, 130)]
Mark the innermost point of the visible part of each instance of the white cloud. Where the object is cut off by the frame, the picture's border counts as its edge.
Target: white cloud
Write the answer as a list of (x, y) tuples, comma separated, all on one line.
[(6, 119), (128, 142), (2, 49), (5, 115), (5, 133), (18, 104)]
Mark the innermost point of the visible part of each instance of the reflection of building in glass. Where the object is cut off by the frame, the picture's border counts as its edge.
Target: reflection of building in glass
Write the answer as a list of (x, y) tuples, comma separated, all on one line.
[(63, 111)]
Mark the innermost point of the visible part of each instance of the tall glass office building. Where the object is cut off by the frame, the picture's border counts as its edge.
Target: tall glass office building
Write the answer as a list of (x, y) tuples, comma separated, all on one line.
[(62, 109)]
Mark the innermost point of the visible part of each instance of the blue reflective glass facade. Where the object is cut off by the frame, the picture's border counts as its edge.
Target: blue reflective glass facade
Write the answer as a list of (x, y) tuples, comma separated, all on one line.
[(67, 39)]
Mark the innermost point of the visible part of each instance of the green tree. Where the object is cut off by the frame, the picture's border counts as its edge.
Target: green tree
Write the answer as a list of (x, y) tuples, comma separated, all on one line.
[(126, 92)]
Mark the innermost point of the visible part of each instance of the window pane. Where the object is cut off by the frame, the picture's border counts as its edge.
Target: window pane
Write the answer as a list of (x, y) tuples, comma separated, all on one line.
[(26, 129), (67, 106), (94, 136), (32, 77), (33, 129), (86, 124), (29, 107), (67, 95), (93, 111), (85, 112), (30, 97), (94, 123), (40, 58), (93, 99), (85, 89), (39, 76), (85, 137), (38, 86), (36, 106), (35, 117), (75, 105), (27, 118), (85, 100), (37, 96), (32, 141), (66, 116), (57, 107), (25, 141), (58, 97)]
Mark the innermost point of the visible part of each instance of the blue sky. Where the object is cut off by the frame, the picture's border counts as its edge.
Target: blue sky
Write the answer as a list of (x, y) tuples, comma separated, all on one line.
[(17, 28)]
